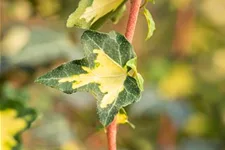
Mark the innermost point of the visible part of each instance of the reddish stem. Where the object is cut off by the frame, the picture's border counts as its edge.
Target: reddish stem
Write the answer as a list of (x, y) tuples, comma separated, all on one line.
[(111, 135), (134, 10), (135, 6)]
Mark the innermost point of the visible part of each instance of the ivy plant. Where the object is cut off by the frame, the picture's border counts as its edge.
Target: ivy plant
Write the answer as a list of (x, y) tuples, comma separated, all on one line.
[(15, 117), (105, 72), (109, 69)]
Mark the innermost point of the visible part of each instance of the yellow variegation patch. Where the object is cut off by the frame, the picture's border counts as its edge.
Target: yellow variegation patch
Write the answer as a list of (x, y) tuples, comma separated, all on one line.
[(99, 8), (10, 126), (107, 73), (103, 72), (89, 12)]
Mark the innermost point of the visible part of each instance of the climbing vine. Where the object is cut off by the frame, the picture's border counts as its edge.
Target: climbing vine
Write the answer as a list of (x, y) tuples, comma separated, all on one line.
[(109, 69)]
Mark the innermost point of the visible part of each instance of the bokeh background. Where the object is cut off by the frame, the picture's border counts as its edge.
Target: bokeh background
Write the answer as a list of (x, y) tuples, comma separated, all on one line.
[(183, 64)]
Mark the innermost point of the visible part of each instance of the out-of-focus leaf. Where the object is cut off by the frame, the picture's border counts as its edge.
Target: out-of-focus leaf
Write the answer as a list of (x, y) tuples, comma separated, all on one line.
[(10, 126), (90, 11), (150, 23), (143, 144), (49, 7), (8, 92), (213, 9), (180, 4), (178, 83), (14, 40), (219, 64), (19, 10), (196, 125), (103, 72), (15, 118), (71, 145), (44, 46)]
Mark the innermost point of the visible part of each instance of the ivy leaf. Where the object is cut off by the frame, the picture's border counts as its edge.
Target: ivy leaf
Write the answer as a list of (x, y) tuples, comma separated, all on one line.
[(103, 72), (150, 22), (15, 118), (133, 65), (92, 13)]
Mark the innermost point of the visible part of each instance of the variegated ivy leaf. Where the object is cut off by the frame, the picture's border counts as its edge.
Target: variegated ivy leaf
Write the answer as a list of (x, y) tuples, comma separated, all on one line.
[(92, 13), (103, 72), (133, 72), (15, 118)]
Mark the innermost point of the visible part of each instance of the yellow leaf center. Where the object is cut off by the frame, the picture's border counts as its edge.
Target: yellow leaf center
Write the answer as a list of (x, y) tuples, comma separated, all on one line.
[(108, 74), (99, 8)]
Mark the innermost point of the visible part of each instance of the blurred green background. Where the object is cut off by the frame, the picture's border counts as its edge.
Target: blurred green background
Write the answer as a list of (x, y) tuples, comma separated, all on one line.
[(183, 64)]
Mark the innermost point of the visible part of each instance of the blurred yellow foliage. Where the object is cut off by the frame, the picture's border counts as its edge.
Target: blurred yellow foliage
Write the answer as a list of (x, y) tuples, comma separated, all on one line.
[(10, 126), (199, 40), (15, 40), (213, 9), (143, 144), (180, 4), (223, 117), (70, 145), (48, 7), (179, 82), (20, 10), (196, 125), (219, 63)]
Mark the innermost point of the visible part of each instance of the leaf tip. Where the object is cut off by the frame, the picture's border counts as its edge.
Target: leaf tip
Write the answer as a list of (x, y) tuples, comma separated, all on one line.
[(69, 24), (36, 80), (39, 80)]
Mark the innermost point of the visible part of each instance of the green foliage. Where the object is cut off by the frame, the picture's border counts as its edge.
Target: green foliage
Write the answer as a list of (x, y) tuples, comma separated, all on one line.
[(149, 19), (199, 115), (15, 118), (150, 22), (103, 72), (10, 93)]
